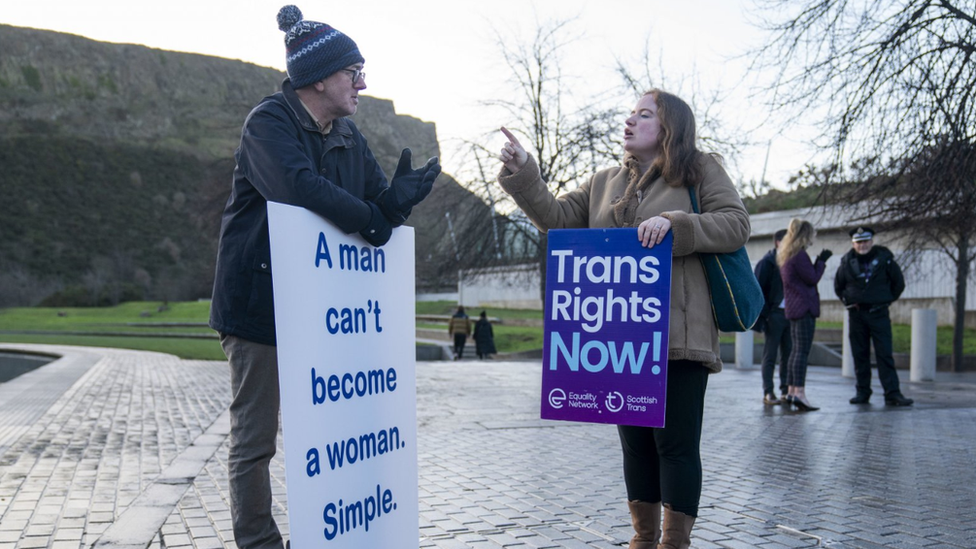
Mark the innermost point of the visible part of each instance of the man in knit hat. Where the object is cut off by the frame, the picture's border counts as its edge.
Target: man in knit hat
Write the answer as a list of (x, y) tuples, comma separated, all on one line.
[(297, 147)]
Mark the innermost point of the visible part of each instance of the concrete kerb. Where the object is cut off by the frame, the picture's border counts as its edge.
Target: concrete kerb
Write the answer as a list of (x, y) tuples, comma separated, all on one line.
[(141, 521), (433, 349)]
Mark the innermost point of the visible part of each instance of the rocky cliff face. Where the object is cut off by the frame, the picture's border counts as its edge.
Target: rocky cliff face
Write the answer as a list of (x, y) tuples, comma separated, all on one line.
[(62, 84), (115, 162)]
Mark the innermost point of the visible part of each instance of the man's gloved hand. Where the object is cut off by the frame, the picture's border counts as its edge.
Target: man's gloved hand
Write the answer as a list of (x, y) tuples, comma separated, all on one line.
[(379, 230), (408, 186), (825, 255)]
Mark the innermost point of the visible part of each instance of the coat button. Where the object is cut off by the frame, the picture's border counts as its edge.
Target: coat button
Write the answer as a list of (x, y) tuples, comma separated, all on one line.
[(264, 265)]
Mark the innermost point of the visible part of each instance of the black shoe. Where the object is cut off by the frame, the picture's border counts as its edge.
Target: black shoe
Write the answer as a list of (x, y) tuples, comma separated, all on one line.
[(898, 399), (803, 406), (860, 398), (770, 399)]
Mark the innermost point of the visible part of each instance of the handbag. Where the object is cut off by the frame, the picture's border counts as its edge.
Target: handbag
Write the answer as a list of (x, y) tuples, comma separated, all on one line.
[(736, 296)]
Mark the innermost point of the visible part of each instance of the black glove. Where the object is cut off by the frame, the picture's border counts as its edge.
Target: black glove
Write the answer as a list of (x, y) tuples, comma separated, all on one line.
[(408, 186), (379, 230), (825, 255)]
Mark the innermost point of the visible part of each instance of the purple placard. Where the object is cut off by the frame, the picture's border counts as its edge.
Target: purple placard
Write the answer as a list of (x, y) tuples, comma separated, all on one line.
[(605, 352)]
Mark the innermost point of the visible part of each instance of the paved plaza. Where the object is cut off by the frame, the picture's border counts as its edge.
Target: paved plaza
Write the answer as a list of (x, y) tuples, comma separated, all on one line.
[(118, 448)]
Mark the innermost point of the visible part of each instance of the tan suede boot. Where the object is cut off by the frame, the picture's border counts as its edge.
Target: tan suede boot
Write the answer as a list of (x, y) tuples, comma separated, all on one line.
[(646, 518), (677, 529)]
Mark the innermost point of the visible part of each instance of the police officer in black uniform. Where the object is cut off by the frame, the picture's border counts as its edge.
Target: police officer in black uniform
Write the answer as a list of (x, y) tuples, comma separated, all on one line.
[(868, 281)]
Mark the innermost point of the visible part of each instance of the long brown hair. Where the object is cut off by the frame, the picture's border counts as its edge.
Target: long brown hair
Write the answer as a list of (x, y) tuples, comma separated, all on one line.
[(799, 235), (679, 162)]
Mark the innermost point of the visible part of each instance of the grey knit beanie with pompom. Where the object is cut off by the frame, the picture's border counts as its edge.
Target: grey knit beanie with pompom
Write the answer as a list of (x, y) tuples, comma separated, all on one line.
[(314, 51)]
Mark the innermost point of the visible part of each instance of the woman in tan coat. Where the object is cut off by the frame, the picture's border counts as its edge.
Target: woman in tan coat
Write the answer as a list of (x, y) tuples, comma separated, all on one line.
[(650, 191)]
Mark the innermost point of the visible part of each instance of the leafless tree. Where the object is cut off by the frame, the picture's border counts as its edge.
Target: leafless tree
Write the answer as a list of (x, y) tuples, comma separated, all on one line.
[(570, 136), (21, 288), (893, 81), (560, 128)]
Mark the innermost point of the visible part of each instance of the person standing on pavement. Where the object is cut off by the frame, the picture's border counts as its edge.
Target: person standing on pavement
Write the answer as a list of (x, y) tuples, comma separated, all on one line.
[(773, 324), (802, 303), (459, 327), (650, 191), (484, 337), (297, 147), (868, 281)]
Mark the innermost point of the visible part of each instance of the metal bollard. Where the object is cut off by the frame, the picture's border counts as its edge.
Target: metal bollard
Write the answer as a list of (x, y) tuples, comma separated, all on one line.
[(847, 358), (743, 350), (923, 345)]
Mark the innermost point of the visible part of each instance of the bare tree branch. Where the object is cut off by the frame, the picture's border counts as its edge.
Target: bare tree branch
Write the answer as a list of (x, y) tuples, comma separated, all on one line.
[(898, 82)]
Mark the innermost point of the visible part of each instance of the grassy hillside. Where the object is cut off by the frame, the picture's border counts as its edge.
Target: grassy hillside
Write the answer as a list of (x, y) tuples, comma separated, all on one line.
[(116, 160), (86, 217)]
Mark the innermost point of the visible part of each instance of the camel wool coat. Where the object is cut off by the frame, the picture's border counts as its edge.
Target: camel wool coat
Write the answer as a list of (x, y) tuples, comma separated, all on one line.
[(622, 197)]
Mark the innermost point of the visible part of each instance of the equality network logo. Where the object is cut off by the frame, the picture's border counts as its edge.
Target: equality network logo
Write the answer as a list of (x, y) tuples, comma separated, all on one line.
[(558, 398)]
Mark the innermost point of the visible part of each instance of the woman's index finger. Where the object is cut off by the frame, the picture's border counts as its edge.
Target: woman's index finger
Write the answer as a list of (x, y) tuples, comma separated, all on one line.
[(510, 137)]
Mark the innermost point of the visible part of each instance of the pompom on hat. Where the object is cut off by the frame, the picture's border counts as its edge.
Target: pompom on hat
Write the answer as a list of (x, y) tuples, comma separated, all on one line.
[(313, 50)]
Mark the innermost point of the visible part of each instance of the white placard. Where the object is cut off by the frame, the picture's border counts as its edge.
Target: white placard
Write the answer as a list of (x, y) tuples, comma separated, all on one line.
[(345, 318)]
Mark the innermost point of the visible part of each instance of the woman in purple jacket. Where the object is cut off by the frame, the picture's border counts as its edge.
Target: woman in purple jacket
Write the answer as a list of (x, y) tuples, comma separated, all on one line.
[(800, 278)]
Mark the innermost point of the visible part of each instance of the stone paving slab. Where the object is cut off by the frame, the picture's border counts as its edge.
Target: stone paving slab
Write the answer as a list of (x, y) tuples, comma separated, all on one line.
[(492, 474)]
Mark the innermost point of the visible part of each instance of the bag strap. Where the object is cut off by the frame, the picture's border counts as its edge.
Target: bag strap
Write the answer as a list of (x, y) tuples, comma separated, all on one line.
[(694, 201)]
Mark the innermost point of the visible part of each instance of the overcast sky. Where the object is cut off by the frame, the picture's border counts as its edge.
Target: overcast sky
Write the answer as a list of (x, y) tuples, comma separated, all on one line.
[(438, 59)]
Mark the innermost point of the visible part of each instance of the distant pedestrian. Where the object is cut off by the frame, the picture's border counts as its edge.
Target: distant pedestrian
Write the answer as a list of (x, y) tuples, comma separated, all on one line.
[(484, 337), (802, 306), (868, 281), (459, 327), (773, 324)]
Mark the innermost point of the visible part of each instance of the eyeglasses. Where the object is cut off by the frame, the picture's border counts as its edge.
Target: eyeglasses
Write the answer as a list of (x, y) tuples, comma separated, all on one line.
[(357, 74)]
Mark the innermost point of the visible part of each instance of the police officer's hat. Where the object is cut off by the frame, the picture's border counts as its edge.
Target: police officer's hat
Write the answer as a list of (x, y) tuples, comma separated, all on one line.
[(860, 234)]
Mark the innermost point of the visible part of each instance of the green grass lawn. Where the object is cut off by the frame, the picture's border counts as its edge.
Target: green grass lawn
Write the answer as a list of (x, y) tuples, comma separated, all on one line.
[(103, 319), (508, 339), (449, 307), (100, 321), (191, 349)]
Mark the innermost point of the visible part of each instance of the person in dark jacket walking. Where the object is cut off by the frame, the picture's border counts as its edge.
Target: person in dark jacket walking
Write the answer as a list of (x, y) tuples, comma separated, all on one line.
[(484, 337), (800, 278), (868, 281), (297, 148), (772, 323), (459, 328)]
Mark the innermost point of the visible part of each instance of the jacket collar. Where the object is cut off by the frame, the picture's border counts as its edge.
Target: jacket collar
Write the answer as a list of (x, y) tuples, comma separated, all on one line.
[(341, 134)]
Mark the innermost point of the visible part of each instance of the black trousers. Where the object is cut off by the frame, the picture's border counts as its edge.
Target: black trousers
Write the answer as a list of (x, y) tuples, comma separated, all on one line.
[(665, 464), (867, 326), (459, 341), (778, 339)]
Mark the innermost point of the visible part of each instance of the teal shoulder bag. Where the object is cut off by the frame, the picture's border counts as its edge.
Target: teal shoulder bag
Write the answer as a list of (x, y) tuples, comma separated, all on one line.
[(737, 298)]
